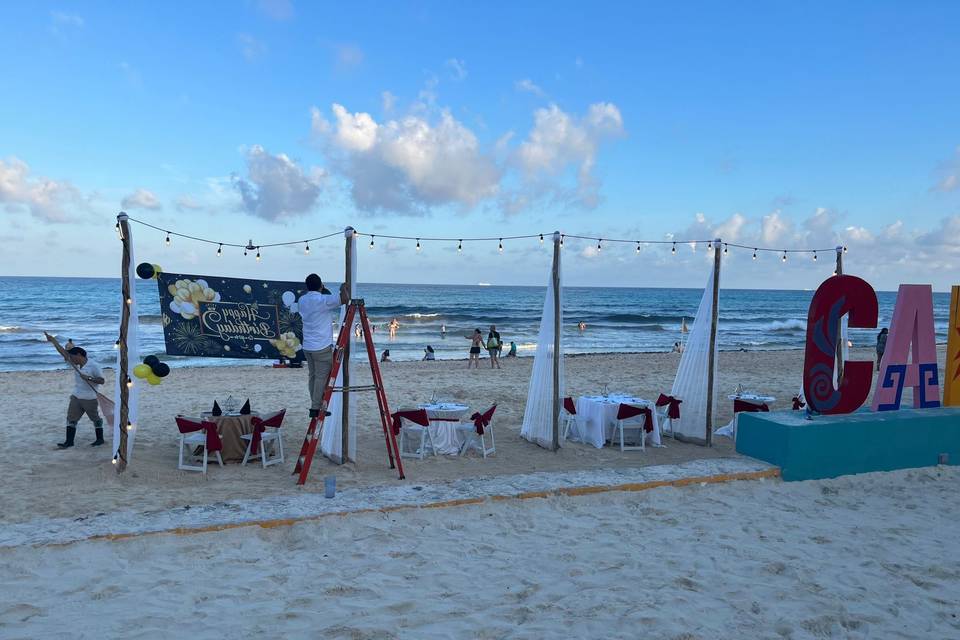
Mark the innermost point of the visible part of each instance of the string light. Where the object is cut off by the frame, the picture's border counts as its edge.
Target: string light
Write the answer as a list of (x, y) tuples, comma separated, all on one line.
[(541, 239), (844, 249), (726, 249), (116, 345), (244, 251), (119, 233), (371, 241), (674, 249), (814, 256), (754, 254), (784, 258), (258, 254), (638, 247), (306, 248), (129, 383), (418, 244), (130, 426), (599, 247), (114, 461), (561, 240), (460, 246), (500, 248), (220, 250), (168, 238), (129, 300)]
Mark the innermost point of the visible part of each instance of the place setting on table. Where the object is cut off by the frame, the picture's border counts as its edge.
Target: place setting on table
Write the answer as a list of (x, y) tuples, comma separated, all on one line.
[(235, 434), (744, 401), (442, 427), (598, 417)]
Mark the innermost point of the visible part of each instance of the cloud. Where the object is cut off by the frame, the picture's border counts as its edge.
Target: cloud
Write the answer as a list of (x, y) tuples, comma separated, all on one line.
[(44, 198), (949, 174), (457, 67), (348, 56), (141, 199), (61, 22), (250, 47), (187, 203), (276, 9), (408, 164), (389, 101), (528, 86), (559, 141), (276, 187)]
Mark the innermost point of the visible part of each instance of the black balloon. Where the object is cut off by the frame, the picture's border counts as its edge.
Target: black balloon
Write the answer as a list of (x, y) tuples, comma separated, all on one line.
[(151, 361), (145, 270), (161, 370)]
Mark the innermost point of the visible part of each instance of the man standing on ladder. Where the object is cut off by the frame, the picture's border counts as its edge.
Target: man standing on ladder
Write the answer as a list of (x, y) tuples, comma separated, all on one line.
[(316, 307)]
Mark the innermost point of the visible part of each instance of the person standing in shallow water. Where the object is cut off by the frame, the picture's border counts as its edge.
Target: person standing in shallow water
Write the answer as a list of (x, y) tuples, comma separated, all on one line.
[(476, 343), (83, 400)]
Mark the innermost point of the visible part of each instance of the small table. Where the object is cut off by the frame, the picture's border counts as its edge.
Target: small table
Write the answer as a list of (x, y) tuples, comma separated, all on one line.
[(730, 430), (444, 416), (598, 418), (231, 426)]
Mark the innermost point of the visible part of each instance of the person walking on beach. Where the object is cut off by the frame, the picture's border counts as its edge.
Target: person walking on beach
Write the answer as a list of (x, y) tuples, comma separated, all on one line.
[(494, 345), (881, 345), (476, 342), (83, 400), (316, 309)]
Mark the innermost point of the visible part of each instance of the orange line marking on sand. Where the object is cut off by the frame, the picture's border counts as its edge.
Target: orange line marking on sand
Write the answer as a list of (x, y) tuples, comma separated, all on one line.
[(773, 472)]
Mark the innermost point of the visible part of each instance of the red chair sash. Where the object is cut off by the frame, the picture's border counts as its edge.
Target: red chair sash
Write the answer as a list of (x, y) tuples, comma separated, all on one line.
[(213, 438), (418, 416), (798, 403), (260, 426), (673, 412), (569, 407), (482, 420), (750, 407), (626, 411)]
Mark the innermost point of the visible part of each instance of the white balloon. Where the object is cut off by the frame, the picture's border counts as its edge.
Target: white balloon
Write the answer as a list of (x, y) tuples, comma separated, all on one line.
[(247, 288), (257, 348), (288, 298)]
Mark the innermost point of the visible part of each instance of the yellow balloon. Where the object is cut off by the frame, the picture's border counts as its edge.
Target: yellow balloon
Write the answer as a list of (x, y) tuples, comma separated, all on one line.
[(156, 271), (152, 379), (142, 370)]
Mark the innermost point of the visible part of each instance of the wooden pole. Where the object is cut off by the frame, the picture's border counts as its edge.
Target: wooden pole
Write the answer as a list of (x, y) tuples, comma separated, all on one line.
[(123, 373), (556, 340), (345, 404), (840, 327), (715, 317)]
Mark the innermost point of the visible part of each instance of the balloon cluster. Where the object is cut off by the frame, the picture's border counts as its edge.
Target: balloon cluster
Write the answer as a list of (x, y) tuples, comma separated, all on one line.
[(152, 370), (147, 271)]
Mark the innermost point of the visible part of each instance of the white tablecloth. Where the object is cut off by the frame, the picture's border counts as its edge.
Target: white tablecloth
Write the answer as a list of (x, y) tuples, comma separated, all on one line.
[(730, 429), (597, 417), (443, 432)]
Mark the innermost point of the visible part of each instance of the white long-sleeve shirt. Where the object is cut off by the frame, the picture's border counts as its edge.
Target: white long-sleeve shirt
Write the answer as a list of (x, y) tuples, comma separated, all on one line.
[(317, 310)]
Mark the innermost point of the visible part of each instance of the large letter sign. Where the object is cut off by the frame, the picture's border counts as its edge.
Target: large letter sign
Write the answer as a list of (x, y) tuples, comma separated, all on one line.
[(838, 296), (951, 387), (912, 325)]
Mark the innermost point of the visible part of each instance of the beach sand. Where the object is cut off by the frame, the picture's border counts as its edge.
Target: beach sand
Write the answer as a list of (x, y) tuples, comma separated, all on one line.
[(869, 556), (40, 480)]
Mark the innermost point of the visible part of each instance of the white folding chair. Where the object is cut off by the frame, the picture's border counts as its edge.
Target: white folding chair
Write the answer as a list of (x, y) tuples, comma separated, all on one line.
[(410, 430), (570, 417), (474, 440), (269, 439), (636, 423), (193, 435)]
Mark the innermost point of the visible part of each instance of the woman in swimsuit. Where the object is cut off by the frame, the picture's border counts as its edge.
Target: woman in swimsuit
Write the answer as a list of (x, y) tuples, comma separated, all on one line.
[(476, 343)]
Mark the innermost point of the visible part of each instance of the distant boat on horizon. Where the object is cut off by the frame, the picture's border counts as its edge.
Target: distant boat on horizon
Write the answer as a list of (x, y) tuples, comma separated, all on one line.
[(483, 284)]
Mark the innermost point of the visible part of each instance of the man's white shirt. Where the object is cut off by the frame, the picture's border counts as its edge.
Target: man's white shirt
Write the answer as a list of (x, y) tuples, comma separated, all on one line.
[(316, 309), (81, 388)]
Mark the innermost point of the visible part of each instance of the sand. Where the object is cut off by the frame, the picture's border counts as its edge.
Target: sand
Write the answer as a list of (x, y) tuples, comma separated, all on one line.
[(870, 556), (41, 481)]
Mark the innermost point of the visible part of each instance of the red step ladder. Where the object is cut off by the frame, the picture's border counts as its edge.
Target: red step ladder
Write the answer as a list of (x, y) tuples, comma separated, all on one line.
[(312, 438)]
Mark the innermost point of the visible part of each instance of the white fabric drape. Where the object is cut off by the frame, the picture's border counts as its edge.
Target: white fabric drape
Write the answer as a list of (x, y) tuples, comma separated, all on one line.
[(538, 416), (331, 444), (690, 385), (133, 359)]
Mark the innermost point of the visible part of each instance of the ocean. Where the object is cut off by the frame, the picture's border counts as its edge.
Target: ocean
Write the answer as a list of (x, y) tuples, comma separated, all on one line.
[(86, 310)]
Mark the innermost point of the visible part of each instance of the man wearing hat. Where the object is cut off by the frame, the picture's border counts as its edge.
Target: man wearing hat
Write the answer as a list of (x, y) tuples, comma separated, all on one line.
[(87, 378)]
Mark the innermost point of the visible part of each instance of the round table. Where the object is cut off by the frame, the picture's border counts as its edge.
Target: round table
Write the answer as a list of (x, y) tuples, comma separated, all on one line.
[(444, 416), (730, 429), (231, 426), (597, 417)]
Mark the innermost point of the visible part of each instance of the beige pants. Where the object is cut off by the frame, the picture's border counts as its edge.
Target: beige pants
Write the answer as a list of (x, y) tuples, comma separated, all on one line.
[(318, 365), (78, 407)]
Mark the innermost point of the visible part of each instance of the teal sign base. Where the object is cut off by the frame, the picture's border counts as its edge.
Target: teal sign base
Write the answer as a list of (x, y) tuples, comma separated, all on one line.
[(861, 442)]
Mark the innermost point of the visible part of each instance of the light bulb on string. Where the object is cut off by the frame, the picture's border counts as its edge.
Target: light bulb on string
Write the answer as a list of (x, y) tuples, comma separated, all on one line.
[(220, 250), (561, 240), (541, 239), (168, 239), (114, 461), (244, 251), (599, 245), (754, 254), (418, 244), (129, 383), (784, 258), (844, 249), (500, 248), (116, 345), (726, 249), (130, 426), (814, 256), (371, 241), (460, 246), (306, 248), (119, 233), (674, 249), (638, 247), (709, 246), (258, 254)]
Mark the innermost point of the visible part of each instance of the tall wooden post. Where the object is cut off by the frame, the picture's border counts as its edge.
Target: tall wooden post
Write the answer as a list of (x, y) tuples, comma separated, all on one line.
[(345, 404), (123, 373), (556, 340), (839, 367), (715, 317)]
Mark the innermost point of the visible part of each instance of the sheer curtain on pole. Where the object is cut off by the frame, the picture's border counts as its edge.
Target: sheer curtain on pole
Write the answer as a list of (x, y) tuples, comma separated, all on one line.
[(330, 441), (538, 416), (690, 385)]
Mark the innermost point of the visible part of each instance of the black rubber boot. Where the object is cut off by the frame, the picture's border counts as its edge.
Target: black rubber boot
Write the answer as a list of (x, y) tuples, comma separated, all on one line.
[(314, 413), (71, 433), (99, 441)]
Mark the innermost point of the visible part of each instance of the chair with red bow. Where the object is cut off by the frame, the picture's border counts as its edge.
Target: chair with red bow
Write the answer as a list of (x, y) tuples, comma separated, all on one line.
[(411, 424), (570, 417), (266, 434), (474, 432), (668, 410), (198, 433), (631, 417)]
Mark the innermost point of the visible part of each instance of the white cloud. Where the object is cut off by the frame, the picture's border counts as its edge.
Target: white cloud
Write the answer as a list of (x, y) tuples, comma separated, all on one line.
[(276, 9), (141, 199), (43, 198), (389, 101), (458, 68), (276, 187), (407, 164), (187, 203), (60, 22), (949, 174), (774, 228), (559, 141), (250, 47), (527, 85), (348, 55)]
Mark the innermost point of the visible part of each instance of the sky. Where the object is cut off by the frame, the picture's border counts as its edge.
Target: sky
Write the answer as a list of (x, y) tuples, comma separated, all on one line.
[(778, 125)]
